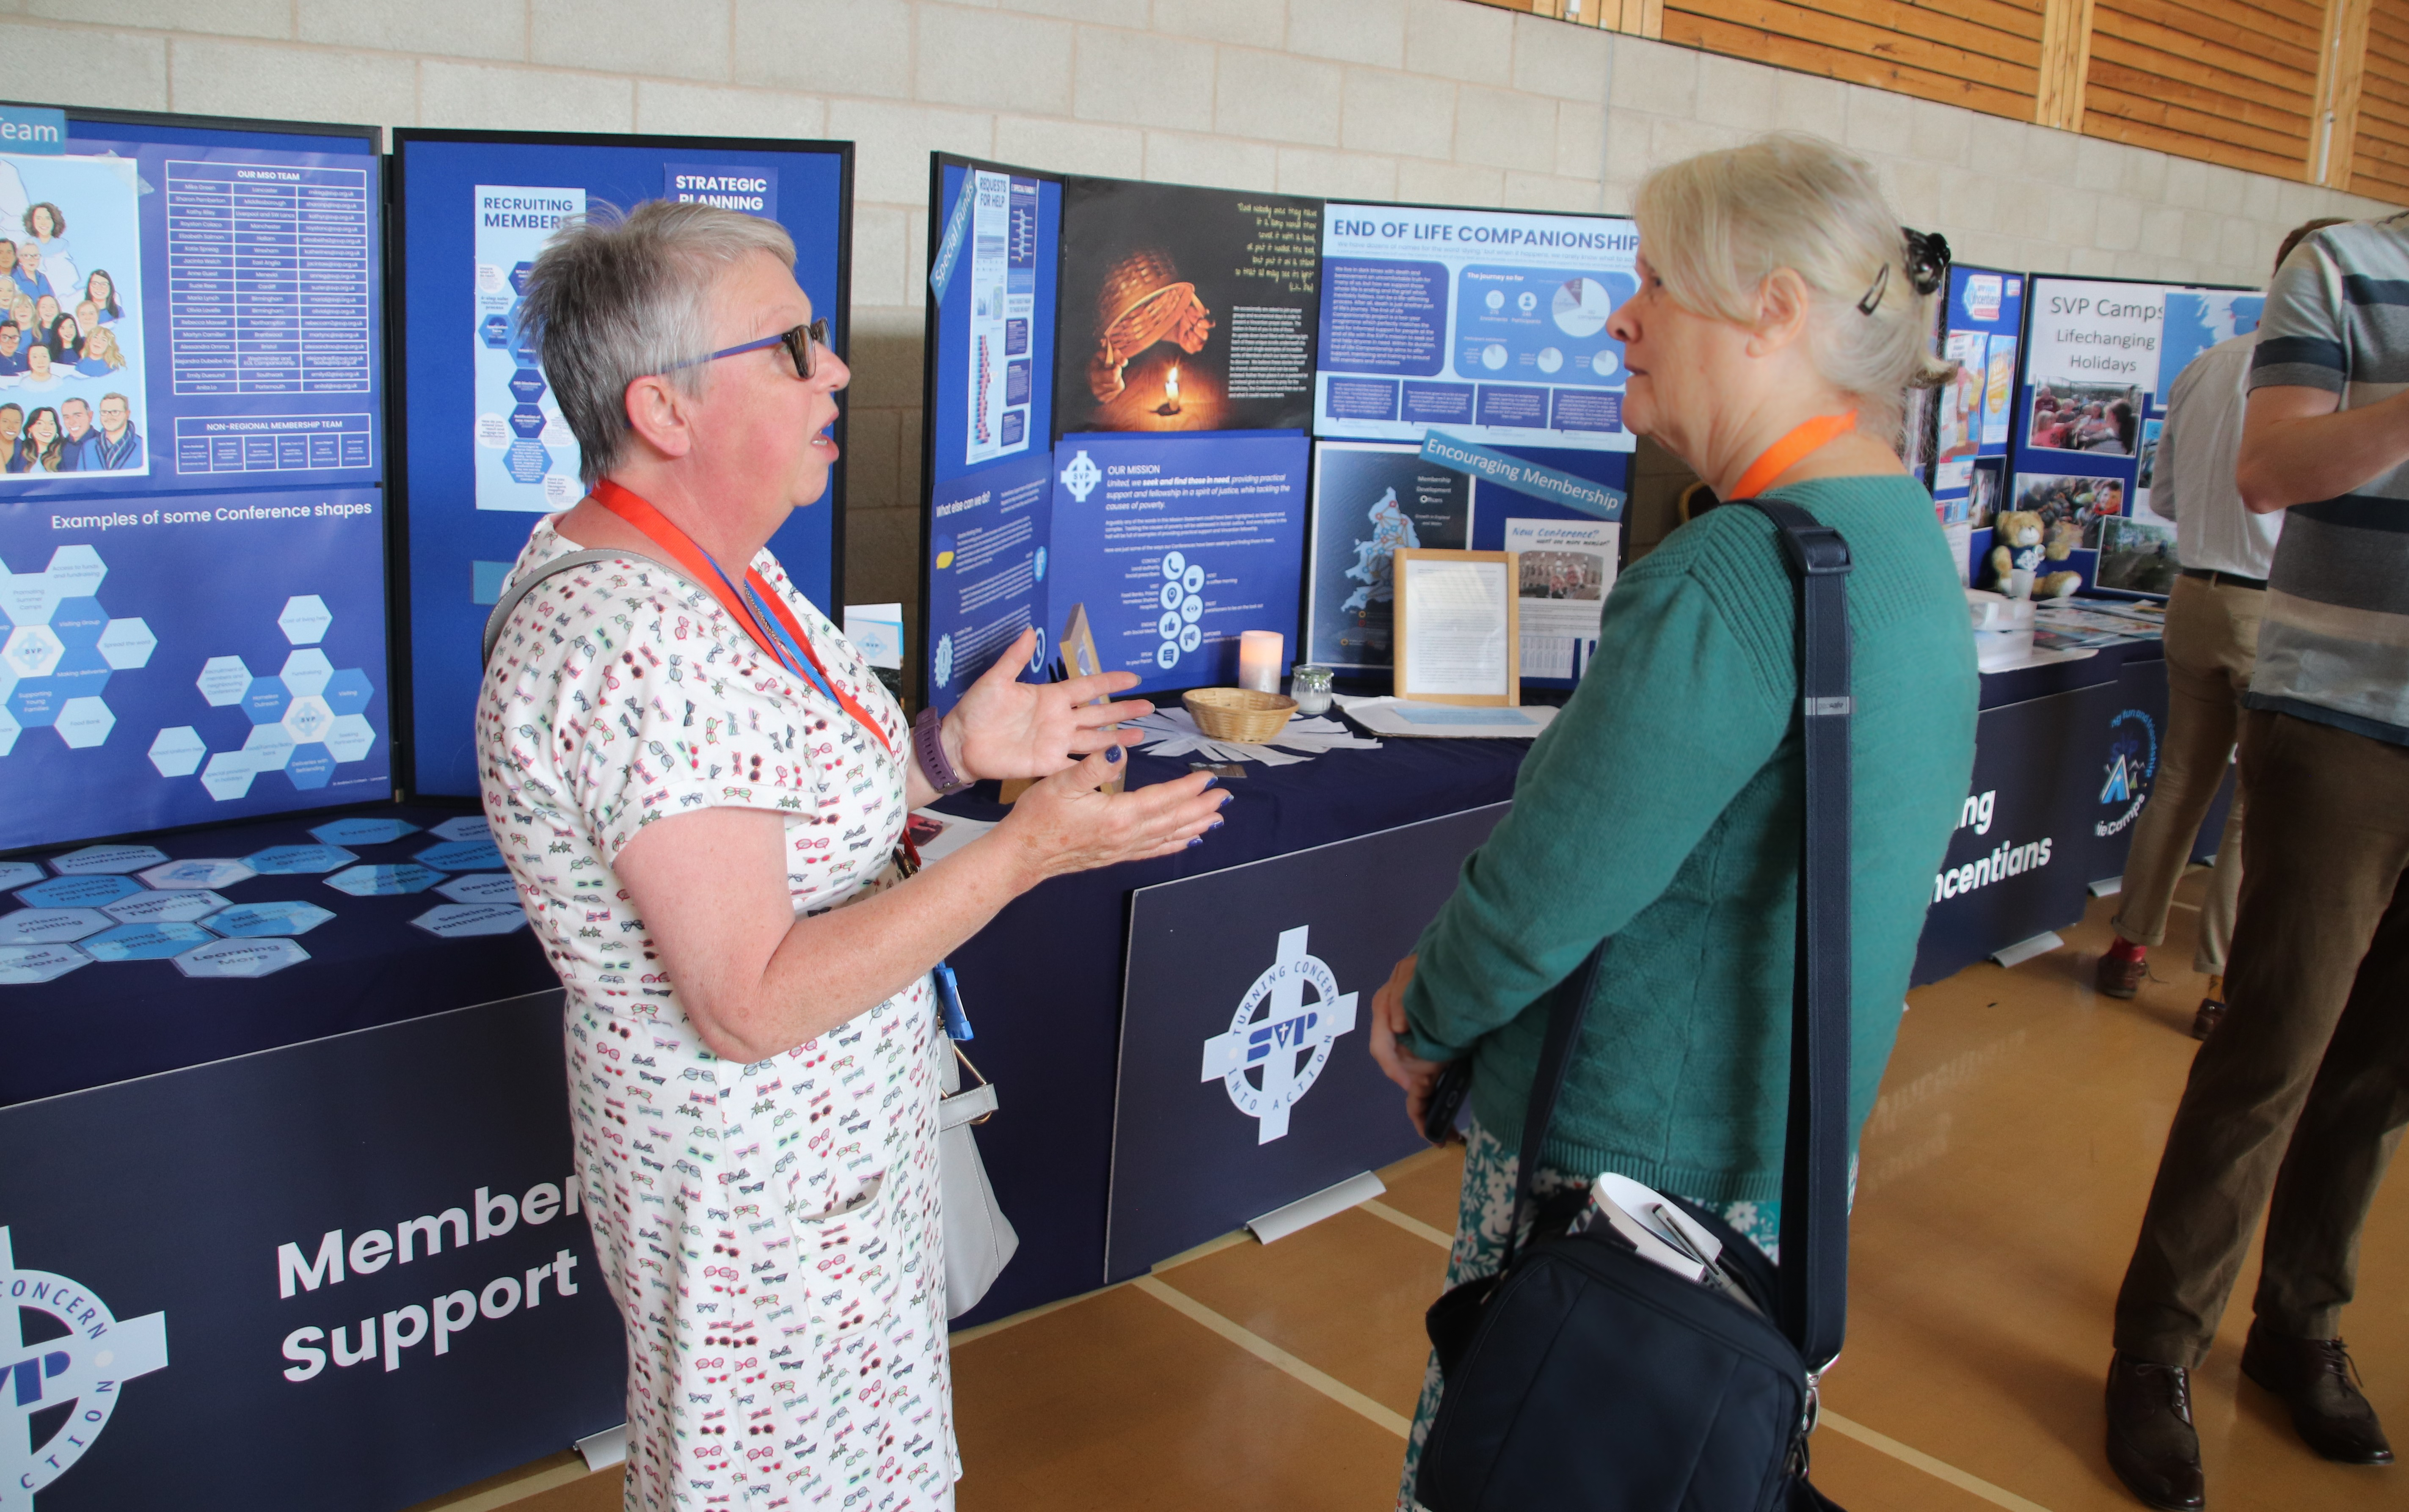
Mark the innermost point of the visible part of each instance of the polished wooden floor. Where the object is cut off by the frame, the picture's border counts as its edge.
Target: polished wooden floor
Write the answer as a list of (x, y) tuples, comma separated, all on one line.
[(2003, 1173)]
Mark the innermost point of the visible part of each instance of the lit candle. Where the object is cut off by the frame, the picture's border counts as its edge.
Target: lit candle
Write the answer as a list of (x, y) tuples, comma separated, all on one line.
[(1171, 384), (1258, 660)]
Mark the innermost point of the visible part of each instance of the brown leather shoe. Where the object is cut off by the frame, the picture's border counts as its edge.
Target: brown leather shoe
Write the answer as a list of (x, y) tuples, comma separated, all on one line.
[(2313, 1377), (2151, 1444), (2120, 978), (2211, 1013)]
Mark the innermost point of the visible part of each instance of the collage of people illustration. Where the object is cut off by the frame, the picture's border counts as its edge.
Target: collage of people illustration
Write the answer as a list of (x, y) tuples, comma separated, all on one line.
[(70, 336)]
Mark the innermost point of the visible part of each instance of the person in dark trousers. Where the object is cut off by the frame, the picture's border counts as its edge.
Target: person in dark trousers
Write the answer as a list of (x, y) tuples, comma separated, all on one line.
[(2304, 1087), (2212, 641)]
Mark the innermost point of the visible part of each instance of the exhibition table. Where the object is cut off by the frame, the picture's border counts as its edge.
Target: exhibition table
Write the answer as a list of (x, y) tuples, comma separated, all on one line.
[(188, 1141)]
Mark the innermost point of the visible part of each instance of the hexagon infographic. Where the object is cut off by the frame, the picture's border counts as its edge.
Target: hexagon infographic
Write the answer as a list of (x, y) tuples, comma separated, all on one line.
[(60, 646), (250, 921), (308, 717), (50, 926), (242, 958), (145, 942), (165, 907), (298, 860), (360, 832), (458, 921), (31, 965), (100, 860), (206, 871), (478, 855), (481, 887), (384, 880), (78, 892)]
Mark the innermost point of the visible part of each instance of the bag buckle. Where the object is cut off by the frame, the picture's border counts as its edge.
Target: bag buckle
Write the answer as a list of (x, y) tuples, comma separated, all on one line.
[(1816, 550)]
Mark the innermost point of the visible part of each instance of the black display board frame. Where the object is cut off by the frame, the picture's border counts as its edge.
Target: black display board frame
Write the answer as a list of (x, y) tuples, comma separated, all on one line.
[(402, 680)]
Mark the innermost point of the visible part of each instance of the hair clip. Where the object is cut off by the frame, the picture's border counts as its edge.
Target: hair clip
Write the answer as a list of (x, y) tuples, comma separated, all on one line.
[(1927, 259), (1872, 301)]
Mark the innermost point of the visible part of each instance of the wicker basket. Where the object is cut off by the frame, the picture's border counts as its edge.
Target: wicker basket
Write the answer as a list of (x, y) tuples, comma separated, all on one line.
[(1239, 715)]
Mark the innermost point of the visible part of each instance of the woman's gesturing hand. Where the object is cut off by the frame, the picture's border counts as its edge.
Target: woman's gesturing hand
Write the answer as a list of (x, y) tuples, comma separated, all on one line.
[(1389, 1030), (1065, 825), (1005, 728)]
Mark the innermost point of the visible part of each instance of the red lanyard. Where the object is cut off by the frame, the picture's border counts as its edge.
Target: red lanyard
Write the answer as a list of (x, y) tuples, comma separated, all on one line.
[(1807, 437), (663, 532)]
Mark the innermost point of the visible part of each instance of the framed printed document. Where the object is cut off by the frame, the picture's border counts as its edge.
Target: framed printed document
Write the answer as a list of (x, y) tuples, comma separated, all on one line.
[(1458, 628)]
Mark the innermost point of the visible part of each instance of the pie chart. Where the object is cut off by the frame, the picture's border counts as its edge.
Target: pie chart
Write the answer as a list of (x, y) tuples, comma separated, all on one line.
[(1580, 308)]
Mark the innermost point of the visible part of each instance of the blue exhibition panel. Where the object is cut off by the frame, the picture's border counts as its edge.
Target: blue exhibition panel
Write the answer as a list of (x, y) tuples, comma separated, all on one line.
[(484, 450), (191, 449), (2100, 362)]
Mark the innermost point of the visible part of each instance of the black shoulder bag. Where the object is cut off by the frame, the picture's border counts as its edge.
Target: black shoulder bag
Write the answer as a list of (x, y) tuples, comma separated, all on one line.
[(1583, 1376)]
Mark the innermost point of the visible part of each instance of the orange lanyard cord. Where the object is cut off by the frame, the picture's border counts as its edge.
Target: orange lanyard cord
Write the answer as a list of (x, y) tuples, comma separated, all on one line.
[(1805, 438), (663, 532)]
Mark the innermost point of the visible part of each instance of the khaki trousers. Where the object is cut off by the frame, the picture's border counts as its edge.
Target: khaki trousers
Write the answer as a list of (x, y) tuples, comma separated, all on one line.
[(2305, 1086), (2211, 643)]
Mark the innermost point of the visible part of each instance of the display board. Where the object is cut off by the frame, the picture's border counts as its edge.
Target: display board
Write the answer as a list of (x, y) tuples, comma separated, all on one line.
[(1981, 325), (191, 462), (1182, 341), (484, 450), (2099, 363), (1243, 1083), (1491, 323)]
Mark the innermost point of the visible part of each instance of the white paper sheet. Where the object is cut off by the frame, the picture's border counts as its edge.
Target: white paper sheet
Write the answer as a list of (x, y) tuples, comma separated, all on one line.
[(1446, 721), (1455, 627)]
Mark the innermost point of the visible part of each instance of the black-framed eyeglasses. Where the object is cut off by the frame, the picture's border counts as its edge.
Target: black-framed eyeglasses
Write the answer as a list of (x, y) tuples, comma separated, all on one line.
[(802, 343)]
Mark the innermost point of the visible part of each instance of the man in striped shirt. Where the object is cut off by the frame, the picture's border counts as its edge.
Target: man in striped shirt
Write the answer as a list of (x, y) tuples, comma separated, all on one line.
[(2300, 1088)]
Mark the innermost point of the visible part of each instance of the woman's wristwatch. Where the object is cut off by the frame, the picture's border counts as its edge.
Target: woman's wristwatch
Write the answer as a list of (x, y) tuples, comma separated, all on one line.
[(929, 749)]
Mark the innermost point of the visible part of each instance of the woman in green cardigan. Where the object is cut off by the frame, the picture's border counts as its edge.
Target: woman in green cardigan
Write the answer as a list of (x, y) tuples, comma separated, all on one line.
[(1777, 329)]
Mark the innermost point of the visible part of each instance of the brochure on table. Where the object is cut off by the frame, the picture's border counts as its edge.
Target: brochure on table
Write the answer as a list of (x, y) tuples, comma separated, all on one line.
[(2101, 360), (1491, 324), (1170, 345), (485, 452), (191, 518)]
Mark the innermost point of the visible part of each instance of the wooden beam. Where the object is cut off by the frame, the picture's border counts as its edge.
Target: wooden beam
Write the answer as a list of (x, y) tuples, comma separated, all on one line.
[(2064, 63), (2333, 122)]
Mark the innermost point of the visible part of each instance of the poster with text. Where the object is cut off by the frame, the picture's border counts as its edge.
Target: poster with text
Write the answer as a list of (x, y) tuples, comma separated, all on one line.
[(526, 458), (987, 560), (190, 309), (1566, 568), (1369, 500), (178, 660), (1980, 319), (1177, 543), (1186, 310), (1489, 323), (73, 358), (1003, 270), (2197, 320)]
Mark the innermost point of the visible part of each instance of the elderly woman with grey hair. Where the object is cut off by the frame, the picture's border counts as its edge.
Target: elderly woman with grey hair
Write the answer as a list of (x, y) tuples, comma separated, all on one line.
[(700, 788), (1781, 317)]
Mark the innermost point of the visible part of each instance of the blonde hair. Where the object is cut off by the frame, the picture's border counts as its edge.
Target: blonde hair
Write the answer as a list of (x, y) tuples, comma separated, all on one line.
[(1718, 225)]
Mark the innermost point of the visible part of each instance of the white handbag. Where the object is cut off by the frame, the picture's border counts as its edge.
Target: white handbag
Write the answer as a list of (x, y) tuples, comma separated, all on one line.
[(979, 1240)]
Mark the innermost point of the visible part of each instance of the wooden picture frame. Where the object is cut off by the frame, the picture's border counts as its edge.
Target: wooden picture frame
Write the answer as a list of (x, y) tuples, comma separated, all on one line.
[(1428, 684)]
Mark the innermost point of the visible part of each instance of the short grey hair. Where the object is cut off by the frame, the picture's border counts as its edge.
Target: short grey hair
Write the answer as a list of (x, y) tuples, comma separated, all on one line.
[(614, 297), (1720, 223)]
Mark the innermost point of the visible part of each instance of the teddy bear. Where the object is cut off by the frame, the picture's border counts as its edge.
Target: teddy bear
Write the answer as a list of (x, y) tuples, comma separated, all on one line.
[(2017, 559)]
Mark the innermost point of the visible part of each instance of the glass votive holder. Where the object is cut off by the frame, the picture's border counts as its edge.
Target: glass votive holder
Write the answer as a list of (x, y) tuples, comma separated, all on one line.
[(1309, 686)]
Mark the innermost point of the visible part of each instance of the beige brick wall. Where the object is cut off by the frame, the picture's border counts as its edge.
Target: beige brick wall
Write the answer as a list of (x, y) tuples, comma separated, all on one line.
[(1433, 100)]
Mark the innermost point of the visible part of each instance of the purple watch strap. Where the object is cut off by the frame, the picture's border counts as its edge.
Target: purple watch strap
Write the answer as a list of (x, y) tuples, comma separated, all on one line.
[(928, 748)]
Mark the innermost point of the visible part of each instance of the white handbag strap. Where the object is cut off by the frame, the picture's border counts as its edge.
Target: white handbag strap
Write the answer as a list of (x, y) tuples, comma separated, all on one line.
[(968, 1106)]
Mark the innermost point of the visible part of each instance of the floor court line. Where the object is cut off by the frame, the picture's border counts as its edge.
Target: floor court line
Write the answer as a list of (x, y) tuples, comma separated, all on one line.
[(1274, 1355), (1408, 1222)]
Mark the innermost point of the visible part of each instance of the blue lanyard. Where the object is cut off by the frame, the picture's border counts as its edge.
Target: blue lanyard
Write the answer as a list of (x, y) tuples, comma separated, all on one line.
[(788, 653)]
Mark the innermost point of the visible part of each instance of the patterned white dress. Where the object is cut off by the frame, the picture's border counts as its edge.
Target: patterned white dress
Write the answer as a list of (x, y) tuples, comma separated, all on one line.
[(769, 1231)]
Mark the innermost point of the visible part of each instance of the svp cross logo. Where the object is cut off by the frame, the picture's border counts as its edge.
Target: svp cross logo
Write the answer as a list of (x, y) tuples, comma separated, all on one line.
[(1278, 1043), (58, 1389)]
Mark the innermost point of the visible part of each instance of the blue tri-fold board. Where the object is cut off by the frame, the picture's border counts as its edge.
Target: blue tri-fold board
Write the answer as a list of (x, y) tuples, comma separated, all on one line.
[(484, 452), (191, 468), (988, 440)]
